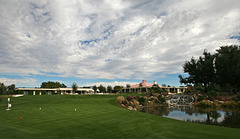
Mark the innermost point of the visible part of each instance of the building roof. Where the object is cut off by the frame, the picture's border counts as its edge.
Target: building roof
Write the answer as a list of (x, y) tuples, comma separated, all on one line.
[(144, 84)]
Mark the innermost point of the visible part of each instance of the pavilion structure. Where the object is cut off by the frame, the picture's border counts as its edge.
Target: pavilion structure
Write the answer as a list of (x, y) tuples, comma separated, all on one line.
[(145, 87), (51, 91)]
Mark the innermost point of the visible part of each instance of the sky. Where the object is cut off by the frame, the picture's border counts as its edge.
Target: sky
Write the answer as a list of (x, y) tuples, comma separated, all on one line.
[(110, 42)]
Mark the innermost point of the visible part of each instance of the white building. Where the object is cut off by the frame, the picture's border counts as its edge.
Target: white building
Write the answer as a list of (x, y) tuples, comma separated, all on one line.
[(50, 91)]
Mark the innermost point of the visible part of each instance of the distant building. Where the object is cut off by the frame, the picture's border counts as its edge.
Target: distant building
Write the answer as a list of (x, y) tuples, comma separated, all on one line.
[(145, 87), (51, 91)]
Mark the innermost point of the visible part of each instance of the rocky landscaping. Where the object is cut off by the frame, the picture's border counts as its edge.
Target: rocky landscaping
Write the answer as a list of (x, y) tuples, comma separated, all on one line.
[(137, 102)]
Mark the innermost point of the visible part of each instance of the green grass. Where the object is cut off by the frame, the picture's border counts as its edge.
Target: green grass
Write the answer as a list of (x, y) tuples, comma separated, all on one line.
[(96, 117)]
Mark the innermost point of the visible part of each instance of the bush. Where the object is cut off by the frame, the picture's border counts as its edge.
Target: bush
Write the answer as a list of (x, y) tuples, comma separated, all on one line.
[(231, 104), (125, 102), (219, 99), (204, 103), (212, 94), (200, 98), (120, 99), (129, 98), (142, 101), (237, 98), (161, 99), (135, 103)]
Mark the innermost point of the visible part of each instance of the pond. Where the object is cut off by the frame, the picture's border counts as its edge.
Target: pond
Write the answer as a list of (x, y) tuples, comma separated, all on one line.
[(219, 117)]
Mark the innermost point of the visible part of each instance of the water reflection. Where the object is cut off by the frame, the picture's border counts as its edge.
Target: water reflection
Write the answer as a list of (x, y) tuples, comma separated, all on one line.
[(223, 117)]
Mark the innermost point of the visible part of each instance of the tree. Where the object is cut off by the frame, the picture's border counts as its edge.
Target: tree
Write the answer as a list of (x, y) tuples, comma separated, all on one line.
[(102, 89), (128, 85), (95, 88), (63, 86), (109, 89), (117, 89), (155, 89), (11, 89), (200, 71), (74, 87), (227, 66), (7, 90), (3, 89), (51, 84)]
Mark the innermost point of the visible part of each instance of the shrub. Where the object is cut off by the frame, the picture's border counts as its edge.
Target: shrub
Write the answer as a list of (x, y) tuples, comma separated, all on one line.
[(204, 103), (135, 97), (135, 103), (231, 104), (125, 102), (120, 100), (129, 98), (142, 101), (219, 99), (200, 98), (213, 94), (237, 98), (215, 104), (161, 99)]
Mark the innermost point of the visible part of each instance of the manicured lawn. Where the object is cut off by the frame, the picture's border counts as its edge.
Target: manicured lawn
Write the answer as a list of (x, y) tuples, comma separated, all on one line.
[(95, 117)]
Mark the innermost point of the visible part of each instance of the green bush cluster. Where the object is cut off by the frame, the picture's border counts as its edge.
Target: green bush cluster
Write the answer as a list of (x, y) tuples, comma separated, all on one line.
[(200, 98), (226, 104), (231, 104), (142, 101), (212, 94), (161, 99), (204, 103), (237, 98)]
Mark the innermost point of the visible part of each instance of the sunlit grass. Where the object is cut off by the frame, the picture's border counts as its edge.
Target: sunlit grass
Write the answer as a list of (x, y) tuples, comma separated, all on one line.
[(95, 117)]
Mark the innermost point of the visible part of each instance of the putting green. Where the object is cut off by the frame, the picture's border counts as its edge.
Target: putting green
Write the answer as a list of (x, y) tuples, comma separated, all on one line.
[(95, 116)]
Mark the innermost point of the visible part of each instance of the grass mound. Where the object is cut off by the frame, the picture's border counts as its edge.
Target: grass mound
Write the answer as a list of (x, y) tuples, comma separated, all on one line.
[(95, 117)]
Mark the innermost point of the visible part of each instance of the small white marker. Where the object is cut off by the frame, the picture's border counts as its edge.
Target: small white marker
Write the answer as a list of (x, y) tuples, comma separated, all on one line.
[(75, 109), (40, 108)]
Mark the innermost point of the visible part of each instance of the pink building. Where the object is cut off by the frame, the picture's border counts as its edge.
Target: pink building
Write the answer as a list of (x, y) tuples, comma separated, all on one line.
[(145, 87)]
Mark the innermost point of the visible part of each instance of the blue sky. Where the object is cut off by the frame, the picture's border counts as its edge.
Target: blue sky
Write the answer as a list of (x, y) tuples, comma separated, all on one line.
[(93, 42)]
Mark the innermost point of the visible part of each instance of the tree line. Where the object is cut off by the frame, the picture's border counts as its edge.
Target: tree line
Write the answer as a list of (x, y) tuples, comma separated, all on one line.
[(219, 70), (100, 88), (51, 84), (108, 89)]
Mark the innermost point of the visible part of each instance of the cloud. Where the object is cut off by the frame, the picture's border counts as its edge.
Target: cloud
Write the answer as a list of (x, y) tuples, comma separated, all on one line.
[(19, 82), (115, 83), (106, 40)]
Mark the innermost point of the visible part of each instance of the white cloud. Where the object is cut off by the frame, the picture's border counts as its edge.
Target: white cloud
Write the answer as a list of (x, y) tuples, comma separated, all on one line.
[(19, 82), (115, 83), (120, 40)]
